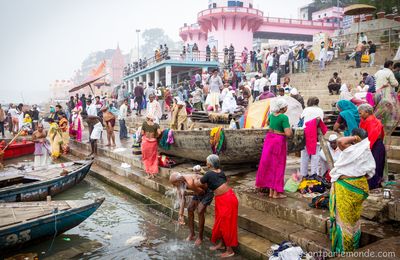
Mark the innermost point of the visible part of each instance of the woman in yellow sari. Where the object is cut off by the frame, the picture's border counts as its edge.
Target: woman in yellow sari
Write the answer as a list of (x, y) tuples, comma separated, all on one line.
[(349, 190), (55, 136), (63, 125)]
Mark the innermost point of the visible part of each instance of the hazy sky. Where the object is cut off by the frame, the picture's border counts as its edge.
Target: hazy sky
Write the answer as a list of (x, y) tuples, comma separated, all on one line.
[(44, 40)]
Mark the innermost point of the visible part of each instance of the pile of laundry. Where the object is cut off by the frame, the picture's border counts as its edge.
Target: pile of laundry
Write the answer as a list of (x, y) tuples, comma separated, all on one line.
[(288, 251)]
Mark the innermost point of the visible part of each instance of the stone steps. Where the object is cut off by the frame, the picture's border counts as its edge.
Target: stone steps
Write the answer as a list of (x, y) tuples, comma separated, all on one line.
[(394, 152), (250, 245), (252, 220), (276, 220)]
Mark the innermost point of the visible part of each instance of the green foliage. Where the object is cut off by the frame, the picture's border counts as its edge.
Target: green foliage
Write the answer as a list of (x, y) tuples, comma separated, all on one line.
[(151, 40)]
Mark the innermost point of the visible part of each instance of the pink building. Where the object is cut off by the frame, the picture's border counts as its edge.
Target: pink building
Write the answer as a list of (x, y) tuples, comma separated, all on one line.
[(227, 22)]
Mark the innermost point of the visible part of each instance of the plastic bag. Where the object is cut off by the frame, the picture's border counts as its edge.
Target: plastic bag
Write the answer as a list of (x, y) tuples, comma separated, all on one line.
[(292, 184)]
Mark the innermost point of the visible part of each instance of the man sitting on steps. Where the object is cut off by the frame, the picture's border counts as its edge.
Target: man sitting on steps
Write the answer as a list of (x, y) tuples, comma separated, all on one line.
[(334, 84)]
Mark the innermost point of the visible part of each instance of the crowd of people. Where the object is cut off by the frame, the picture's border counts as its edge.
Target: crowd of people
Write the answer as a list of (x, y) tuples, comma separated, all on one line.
[(368, 114)]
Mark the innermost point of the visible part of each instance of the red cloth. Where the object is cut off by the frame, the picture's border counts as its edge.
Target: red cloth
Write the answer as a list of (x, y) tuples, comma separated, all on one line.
[(149, 155), (311, 135), (225, 221), (374, 129)]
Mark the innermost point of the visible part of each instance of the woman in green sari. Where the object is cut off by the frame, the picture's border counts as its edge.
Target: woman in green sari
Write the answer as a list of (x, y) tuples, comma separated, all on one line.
[(349, 190)]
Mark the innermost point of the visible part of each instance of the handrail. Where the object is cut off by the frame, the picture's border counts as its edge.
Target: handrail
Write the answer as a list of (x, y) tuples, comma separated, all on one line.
[(300, 22), (177, 55), (230, 10)]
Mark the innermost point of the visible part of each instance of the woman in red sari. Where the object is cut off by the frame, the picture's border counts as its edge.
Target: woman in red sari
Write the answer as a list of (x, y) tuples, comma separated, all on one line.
[(226, 207), (376, 134), (150, 132)]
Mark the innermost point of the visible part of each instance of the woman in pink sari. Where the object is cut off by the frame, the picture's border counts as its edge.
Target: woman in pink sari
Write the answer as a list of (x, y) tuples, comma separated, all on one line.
[(77, 122), (150, 132), (271, 169)]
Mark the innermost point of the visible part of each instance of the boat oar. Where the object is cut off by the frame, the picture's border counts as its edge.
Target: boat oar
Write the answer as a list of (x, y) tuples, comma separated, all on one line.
[(12, 140)]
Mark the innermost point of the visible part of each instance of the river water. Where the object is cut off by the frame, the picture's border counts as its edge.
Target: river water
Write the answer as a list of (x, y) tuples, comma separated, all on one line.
[(122, 228)]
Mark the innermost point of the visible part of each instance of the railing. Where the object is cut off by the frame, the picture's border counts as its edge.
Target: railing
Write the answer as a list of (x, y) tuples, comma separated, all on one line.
[(194, 26), (230, 10), (299, 22), (387, 40), (176, 55)]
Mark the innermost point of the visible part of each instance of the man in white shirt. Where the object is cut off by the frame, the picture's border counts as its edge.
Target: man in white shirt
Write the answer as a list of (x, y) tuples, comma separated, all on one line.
[(270, 64), (333, 150), (312, 111), (282, 63), (122, 116), (91, 111), (274, 81), (385, 78), (154, 109)]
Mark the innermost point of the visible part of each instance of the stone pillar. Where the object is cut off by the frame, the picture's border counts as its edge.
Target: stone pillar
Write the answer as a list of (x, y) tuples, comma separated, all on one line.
[(148, 78), (168, 76), (141, 78), (156, 77), (129, 85), (135, 82), (178, 78)]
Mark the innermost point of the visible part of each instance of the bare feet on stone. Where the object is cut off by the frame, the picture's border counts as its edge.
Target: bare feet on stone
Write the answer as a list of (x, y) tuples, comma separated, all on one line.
[(279, 196), (198, 242), (190, 237), (216, 247)]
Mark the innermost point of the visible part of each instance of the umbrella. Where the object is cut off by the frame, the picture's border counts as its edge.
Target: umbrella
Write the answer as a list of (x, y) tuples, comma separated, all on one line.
[(87, 82), (359, 9)]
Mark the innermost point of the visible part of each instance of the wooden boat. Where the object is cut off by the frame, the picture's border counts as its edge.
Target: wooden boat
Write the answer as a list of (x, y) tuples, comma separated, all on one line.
[(17, 149), (36, 184), (242, 145), (22, 223)]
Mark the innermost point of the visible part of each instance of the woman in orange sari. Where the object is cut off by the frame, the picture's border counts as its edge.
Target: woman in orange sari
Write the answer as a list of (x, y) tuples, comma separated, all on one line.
[(63, 125), (150, 132)]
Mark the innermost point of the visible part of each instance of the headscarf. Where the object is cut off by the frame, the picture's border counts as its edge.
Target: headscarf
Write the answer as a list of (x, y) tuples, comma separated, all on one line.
[(277, 104), (349, 113), (345, 93)]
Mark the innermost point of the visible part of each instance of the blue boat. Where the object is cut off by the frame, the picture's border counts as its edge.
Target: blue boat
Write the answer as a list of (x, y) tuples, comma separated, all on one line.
[(23, 223), (36, 184)]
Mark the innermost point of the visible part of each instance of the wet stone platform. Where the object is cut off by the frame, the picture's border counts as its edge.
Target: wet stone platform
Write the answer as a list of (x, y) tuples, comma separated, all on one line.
[(262, 221)]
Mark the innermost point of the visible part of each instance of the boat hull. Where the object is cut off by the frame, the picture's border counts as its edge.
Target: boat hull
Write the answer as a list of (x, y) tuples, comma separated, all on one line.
[(27, 232), (242, 145), (16, 150), (41, 189)]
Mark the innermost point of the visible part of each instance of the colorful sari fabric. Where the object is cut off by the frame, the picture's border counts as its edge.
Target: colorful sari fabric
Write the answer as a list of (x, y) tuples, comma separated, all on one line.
[(376, 136), (387, 109), (63, 125), (349, 112), (56, 141), (217, 140), (149, 155), (345, 206), (271, 169), (225, 220)]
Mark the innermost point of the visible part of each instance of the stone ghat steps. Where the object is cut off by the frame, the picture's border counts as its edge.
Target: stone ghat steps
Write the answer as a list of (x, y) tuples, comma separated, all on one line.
[(251, 245), (251, 220), (260, 215)]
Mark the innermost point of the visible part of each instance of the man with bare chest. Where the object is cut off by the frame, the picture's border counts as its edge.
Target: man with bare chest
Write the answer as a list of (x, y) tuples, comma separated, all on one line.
[(202, 198), (42, 147)]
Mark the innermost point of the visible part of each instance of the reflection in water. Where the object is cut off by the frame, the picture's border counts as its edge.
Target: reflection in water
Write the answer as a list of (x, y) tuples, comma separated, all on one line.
[(122, 228)]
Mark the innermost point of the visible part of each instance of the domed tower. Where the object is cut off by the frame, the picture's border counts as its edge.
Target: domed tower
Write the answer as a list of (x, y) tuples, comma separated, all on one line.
[(230, 22)]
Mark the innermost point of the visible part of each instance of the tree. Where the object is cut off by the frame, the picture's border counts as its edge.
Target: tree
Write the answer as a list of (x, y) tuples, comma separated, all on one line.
[(389, 6), (152, 38)]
